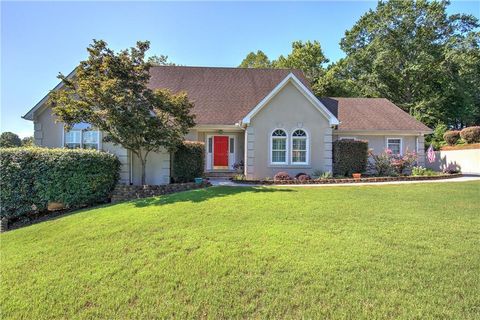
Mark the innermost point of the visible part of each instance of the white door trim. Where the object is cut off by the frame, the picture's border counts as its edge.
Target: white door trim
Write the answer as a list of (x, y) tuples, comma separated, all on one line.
[(209, 155)]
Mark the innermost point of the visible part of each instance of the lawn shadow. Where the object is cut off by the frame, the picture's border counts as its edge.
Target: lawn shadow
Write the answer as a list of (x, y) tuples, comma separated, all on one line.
[(200, 195)]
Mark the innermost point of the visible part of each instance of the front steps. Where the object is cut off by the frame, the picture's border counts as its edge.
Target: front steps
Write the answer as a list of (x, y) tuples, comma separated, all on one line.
[(220, 174)]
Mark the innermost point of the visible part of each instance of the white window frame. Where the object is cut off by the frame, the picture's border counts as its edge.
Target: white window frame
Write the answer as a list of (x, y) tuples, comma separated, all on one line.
[(81, 137), (286, 147), (307, 147), (65, 138), (394, 138)]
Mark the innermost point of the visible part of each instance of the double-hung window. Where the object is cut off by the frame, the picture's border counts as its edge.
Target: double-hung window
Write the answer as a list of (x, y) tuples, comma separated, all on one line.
[(82, 136), (73, 139), (279, 147), (394, 145), (299, 147)]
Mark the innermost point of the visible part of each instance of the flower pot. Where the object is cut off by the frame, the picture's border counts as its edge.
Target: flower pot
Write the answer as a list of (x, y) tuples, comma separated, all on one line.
[(357, 176), (198, 180)]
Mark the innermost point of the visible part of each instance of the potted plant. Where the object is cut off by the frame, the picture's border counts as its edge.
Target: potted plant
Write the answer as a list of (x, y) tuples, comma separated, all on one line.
[(238, 166), (357, 176)]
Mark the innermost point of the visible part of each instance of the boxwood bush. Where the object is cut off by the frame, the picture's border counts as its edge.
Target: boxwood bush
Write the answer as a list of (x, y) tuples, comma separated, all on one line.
[(349, 156), (30, 178), (451, 137), (188, 161), (471, 134)]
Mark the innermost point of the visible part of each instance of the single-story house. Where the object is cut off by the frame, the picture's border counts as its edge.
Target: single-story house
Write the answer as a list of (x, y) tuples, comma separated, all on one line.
[(269, 118)]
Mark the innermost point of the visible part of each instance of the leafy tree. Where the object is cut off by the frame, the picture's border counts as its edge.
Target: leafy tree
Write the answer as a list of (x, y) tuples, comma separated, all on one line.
[(161, 60), (436, 138), (9, 140), (307, 57), (28, 142), (415, 54), (256, 60), (109, 91)]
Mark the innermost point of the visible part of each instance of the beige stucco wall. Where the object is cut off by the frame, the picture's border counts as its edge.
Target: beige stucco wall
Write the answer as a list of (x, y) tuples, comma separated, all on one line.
[(468, 161), (157, 170), (288, 110), (378, 142), (47, 132)]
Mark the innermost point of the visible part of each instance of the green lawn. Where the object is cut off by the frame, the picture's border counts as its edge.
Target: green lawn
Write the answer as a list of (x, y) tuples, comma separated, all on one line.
[(404, 251)]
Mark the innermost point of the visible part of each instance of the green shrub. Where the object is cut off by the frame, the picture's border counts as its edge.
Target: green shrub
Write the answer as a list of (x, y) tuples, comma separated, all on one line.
[(188, 161), (421, 171), (30, 178), (349, 156), (451, 137), (471, 134)]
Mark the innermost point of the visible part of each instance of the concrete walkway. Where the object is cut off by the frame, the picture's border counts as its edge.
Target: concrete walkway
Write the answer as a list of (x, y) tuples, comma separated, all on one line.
[(225, 182)]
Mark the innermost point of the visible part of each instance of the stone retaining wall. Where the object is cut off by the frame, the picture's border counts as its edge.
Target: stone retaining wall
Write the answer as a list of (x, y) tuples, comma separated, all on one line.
[(127, 192), (351, 180)]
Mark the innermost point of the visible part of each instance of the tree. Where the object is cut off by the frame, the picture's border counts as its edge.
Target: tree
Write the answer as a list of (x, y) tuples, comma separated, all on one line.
[(307, 57), (161, 60), (109, 91), (28, 142), (256, 60), (9, 140), (415, 54)]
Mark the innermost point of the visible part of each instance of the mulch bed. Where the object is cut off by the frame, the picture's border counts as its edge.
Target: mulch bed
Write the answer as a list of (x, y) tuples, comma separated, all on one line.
[(351, 180), (461, 147)]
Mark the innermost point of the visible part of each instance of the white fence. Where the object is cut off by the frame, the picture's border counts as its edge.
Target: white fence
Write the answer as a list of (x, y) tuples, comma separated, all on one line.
[(467, 160)]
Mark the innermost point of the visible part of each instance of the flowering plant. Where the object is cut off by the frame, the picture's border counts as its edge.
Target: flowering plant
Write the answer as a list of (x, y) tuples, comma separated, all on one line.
[(389, 164)]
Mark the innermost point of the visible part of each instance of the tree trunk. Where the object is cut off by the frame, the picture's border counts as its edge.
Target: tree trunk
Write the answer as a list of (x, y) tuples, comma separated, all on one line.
[(144, 165)]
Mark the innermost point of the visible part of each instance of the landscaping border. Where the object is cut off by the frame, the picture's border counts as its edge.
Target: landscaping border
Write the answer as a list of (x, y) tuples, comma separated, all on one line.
[(123, 192), (351, 180)]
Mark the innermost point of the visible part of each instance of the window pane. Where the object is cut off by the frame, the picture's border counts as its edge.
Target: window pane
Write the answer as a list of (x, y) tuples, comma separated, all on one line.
[(209, 145), (72, 139), (279, 144), (394, 145), (299, 144), (232, 145), (278, 156), (90, 139), (279, 133), (299, 156), (299, 133)]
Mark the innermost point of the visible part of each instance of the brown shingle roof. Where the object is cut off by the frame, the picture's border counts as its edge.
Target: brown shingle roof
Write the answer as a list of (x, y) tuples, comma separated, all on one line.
[(221, 95), (224, 96), (371, 114)]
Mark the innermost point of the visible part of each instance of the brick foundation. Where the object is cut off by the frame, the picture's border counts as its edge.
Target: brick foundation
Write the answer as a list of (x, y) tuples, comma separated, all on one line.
[(128, 192)]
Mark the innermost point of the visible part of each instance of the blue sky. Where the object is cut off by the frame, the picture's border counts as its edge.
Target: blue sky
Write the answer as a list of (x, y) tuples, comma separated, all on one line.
[(40, 39)]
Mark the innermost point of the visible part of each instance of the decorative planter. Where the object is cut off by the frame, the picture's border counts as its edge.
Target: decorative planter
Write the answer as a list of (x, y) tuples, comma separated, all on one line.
[(357, 176), (54, 206), (198, 180)]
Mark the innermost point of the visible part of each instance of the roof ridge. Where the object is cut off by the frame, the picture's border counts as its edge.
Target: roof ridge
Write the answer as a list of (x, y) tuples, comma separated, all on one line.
[(216, 67)]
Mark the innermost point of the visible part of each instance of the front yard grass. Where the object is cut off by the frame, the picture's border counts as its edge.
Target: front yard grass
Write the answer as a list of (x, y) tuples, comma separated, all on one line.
[(373, 252)]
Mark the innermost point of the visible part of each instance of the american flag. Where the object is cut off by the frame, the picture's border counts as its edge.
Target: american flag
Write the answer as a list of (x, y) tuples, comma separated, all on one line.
[(431, 154)]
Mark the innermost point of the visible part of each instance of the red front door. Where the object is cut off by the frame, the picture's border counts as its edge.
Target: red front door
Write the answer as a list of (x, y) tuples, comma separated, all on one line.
[(220, 151)]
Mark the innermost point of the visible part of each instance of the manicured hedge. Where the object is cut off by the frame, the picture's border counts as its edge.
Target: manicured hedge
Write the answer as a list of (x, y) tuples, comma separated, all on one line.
[(471, 134), (30, 178), (188, 161), (451, 137), (349, 156)]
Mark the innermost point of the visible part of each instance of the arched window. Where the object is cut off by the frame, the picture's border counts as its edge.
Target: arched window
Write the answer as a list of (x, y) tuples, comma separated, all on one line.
[(299, 147), (279, 147)]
